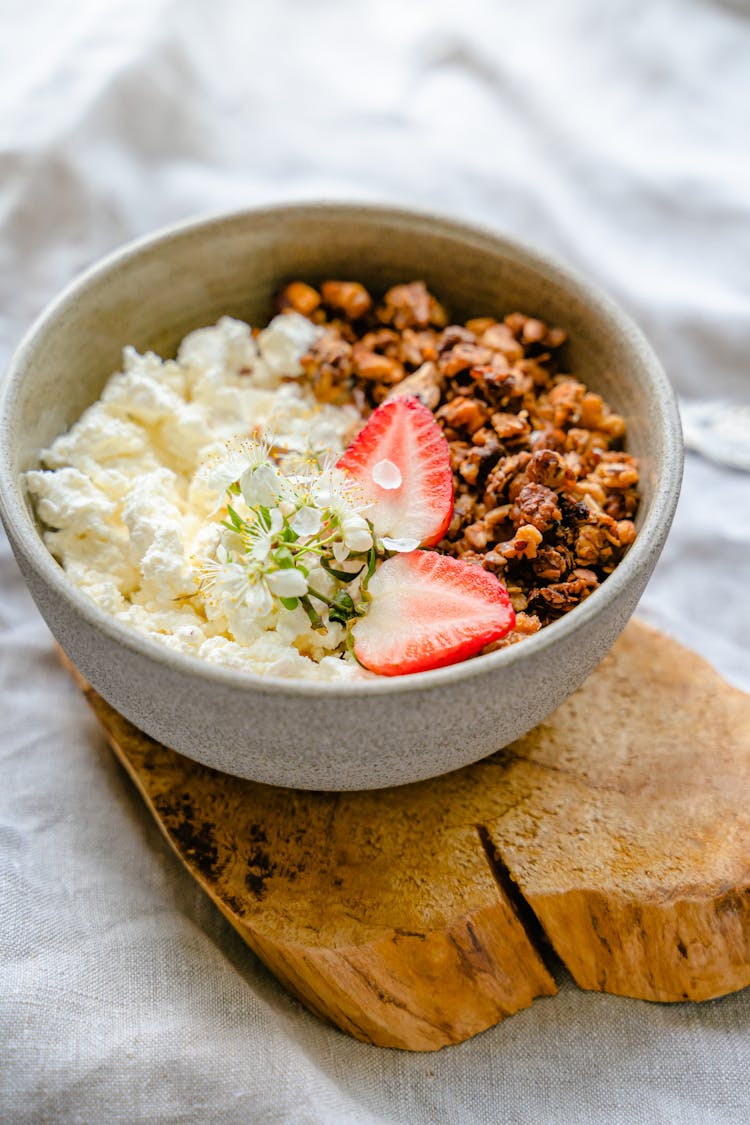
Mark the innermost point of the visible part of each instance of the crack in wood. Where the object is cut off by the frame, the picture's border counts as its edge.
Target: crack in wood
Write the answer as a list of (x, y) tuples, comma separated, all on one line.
[(520, 906)]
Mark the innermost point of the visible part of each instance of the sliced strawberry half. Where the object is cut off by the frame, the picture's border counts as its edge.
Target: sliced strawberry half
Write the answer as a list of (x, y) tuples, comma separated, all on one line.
[(428, 610), (402, 462)]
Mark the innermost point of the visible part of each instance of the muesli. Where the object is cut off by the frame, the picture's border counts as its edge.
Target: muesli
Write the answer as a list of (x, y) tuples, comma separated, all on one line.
[(354, 490), (545, 496)]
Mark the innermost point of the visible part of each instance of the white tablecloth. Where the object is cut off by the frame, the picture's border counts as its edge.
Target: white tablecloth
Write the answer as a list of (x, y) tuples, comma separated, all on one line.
[(613, 135)]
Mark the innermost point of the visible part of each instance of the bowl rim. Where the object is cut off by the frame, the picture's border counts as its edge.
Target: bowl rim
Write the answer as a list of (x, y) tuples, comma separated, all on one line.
[(24, 530)]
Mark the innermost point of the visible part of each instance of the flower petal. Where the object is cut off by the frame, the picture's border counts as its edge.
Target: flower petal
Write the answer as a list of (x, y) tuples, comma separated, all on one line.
[(261, 485), (258, 599), (289, 583), (307, 521), (356, 533), (340, 551), (401, 545), (386, 474)]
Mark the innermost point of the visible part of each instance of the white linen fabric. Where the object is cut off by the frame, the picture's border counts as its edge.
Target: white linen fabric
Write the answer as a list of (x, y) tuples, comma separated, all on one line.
[(612, 135)]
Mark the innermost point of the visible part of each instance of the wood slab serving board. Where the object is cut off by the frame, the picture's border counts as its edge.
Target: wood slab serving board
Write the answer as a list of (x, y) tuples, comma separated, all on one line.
[(618, 832)]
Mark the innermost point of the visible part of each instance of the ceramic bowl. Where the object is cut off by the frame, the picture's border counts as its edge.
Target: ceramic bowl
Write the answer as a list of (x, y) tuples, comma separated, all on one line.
[(309, 735)]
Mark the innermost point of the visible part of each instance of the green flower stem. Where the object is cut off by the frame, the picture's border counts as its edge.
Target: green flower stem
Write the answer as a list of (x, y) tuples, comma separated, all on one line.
[(372, 559), (319, 596), (316, 545), (315, 619)]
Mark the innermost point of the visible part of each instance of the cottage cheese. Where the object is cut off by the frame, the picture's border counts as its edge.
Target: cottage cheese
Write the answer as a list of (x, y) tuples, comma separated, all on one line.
[(123, 498)]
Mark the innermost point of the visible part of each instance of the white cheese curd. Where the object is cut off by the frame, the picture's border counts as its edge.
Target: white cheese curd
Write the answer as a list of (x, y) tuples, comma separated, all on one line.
[(283, 343), (129, 506)]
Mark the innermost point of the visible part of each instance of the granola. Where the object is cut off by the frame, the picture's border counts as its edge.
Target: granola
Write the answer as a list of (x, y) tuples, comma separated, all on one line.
[(545, 495)]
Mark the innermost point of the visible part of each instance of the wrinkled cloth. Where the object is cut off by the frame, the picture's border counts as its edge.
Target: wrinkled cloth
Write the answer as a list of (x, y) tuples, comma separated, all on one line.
[(611, 135)]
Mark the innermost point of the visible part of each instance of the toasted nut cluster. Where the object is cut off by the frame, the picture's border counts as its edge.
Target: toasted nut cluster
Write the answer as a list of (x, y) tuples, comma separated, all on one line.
[(544, 495)]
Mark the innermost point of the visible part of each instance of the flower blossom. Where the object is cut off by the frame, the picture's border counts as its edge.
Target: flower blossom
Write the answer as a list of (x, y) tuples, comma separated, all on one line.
[(281, 527)]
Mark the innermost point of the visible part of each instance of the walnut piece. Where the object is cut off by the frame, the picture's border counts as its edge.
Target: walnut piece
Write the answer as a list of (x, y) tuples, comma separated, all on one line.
[(349, 297)]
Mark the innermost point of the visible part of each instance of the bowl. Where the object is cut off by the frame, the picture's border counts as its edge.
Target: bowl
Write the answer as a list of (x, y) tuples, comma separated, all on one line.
[(325, 735)]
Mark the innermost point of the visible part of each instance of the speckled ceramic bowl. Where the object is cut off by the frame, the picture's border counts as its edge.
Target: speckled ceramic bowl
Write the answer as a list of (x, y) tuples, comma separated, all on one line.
[(307, 735)]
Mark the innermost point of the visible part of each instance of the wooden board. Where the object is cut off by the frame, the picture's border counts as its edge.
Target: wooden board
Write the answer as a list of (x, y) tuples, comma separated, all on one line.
[(416, 917)]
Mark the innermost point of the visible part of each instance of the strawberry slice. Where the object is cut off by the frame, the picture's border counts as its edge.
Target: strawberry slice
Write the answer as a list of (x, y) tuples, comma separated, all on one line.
[(402, 462), (428, 610)]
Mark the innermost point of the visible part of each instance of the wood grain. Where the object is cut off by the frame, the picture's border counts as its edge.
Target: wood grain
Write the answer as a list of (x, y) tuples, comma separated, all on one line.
[(404, 916), (629, 834)]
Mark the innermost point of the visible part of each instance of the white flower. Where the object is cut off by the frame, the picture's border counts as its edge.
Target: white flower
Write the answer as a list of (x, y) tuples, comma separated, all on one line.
[(289, 583), (329, 486), (226, 580), (261, 485), (260, 539), (402, 545), (387, 475), (337, 491), (303, 481), (308, 521), (217, 475), (356, 533), (235, 586)]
